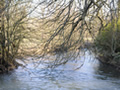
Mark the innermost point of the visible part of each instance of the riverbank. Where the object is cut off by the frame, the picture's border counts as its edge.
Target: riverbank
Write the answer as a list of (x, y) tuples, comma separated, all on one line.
[(7, 66), (109, 61)]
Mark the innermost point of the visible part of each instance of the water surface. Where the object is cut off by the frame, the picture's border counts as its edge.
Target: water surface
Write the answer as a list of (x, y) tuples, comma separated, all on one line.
[(91, 76)]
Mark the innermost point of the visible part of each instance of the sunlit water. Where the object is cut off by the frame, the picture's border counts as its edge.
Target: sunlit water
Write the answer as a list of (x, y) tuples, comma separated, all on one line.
[(91, 76)]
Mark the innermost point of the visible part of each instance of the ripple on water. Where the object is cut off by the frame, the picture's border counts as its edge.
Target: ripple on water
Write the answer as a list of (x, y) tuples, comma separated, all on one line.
[(92, 76)]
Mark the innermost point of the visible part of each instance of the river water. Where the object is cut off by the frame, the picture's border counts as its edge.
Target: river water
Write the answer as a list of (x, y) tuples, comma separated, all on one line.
[(91, 76)]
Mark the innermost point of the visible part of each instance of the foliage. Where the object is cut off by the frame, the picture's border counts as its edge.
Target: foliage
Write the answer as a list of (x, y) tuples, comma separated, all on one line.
[(108, 42)]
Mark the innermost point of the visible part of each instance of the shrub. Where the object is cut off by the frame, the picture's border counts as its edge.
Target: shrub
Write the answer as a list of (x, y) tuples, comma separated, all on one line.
[(108, 42)]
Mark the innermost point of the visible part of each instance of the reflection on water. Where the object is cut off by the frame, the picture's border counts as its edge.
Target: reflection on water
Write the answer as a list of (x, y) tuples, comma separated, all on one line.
[(91, 76)]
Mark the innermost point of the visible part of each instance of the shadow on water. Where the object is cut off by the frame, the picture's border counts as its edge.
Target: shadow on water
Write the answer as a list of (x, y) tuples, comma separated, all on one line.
[(108, 71), (91, 76)]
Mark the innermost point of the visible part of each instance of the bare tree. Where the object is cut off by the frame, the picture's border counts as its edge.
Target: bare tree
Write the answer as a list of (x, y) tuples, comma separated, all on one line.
[(13, 18), (66, 23), (71, 16), (70, 21)]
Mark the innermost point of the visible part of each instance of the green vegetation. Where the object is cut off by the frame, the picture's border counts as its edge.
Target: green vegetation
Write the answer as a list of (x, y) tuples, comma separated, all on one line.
[(108, 43)]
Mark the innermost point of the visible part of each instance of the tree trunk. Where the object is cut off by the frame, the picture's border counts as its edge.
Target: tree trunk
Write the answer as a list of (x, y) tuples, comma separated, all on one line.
[(2, 33)]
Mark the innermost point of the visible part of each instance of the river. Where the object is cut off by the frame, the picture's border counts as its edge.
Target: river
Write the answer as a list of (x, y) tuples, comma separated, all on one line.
[(91, 76)]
